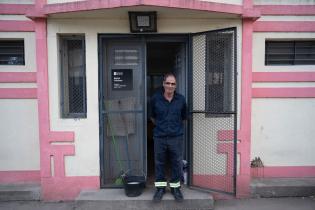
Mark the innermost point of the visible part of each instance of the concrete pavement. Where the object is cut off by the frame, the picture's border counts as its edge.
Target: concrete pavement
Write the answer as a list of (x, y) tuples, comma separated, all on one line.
[(237, 204), (297, 203)]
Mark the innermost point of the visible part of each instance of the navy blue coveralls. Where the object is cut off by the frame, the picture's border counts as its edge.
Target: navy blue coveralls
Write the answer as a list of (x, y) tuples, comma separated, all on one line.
[(168, 136)]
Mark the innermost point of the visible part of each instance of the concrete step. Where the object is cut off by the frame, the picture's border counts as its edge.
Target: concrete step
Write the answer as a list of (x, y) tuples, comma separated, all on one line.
[(283, 187), (116, 199), (19, 192)]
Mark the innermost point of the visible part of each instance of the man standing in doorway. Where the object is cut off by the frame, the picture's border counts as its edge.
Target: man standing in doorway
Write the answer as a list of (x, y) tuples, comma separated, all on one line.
[(168, 111)]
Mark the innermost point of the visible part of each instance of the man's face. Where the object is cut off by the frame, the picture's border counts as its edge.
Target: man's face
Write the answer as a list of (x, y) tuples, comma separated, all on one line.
[(169, 84)]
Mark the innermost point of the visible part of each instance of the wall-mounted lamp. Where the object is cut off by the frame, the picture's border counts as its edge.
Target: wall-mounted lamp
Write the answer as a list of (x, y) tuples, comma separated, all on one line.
[(142, 22)]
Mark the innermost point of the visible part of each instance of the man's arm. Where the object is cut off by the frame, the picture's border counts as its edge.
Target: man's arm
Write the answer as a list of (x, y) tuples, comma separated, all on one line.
[(184, 111), (153, 120), (151, 110)]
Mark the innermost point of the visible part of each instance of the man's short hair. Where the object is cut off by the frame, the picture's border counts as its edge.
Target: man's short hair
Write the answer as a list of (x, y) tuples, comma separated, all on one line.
[(169, 74)]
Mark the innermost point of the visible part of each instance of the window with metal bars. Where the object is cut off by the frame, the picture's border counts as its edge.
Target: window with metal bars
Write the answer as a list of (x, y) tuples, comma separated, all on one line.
[(290, 53), (12, 52), (73, 85), (219, 74)]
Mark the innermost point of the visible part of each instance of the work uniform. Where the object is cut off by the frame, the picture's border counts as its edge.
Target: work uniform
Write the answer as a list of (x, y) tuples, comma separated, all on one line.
[(168, 136)]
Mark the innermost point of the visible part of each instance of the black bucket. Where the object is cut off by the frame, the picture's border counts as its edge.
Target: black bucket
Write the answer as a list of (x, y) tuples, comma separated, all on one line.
[(134, 184)]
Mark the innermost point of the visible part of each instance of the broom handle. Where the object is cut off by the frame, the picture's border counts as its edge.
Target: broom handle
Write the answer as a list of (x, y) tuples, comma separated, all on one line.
[(115, 146)]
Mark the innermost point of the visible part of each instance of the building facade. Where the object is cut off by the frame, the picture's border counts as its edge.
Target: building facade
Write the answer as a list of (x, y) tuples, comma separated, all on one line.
[(76, 78)]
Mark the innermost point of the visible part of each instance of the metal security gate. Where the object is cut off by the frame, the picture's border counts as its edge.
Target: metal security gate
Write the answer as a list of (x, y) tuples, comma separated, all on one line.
[(213, 108), (122, 107)]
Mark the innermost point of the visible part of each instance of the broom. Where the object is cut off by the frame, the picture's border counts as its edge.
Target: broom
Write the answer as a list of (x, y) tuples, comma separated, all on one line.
[(119, 180)]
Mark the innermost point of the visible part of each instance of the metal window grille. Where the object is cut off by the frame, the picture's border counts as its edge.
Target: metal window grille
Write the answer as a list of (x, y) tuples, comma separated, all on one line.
[(73, 88), (12, 52), (219, 69), (290, 53)]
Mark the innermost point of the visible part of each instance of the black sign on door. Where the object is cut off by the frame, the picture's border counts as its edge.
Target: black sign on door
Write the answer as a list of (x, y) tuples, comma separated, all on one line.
[(122, 79)]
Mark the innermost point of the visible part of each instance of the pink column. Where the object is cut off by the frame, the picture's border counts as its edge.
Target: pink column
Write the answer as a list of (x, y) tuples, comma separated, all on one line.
[(40, 3), (42, 92), (243, 179), (55, 186), (248, 4)]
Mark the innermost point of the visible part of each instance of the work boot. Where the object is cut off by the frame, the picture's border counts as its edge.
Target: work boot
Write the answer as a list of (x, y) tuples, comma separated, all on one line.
[(158, 195), (177, 194)]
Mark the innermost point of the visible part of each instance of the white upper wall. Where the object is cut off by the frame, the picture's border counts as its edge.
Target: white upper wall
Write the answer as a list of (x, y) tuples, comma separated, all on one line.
[(286, 18), (19, 148), (17, 1), (29, 52), (259, 39), (284, 2), (239, 2), (19, 133), (283, 131), (13, 17), (18, 85), (259, 51), (61, 1)]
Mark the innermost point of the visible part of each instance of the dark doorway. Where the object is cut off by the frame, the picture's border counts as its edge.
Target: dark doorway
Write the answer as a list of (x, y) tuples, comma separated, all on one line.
[(131, 70), (162, 57)]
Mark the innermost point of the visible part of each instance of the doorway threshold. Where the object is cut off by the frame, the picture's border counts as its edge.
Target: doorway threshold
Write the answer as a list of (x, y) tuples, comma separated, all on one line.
[(116, 199)]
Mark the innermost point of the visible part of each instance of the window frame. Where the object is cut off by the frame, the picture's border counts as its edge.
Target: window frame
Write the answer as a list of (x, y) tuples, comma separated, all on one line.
[(226, 109), (65, 112), (293, 48), (12, 40)]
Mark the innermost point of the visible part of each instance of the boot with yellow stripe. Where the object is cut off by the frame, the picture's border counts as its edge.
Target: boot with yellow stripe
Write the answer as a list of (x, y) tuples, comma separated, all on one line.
[(160, 191), (175, 190)]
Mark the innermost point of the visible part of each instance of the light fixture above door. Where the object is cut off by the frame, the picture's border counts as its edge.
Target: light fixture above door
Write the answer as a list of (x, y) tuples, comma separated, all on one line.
[(142, 22)]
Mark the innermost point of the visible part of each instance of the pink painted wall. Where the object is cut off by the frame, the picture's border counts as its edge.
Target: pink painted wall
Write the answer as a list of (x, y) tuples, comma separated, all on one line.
[(288, 92), (16, 25), (19, 177), (14, 9), (59, 186), (287, 26), (96, 4), (55, 186), (243, 180), (293, 76), (17, 93), (16, 77), (22, 174), (283, 171), (286, 9), (284, 76)]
